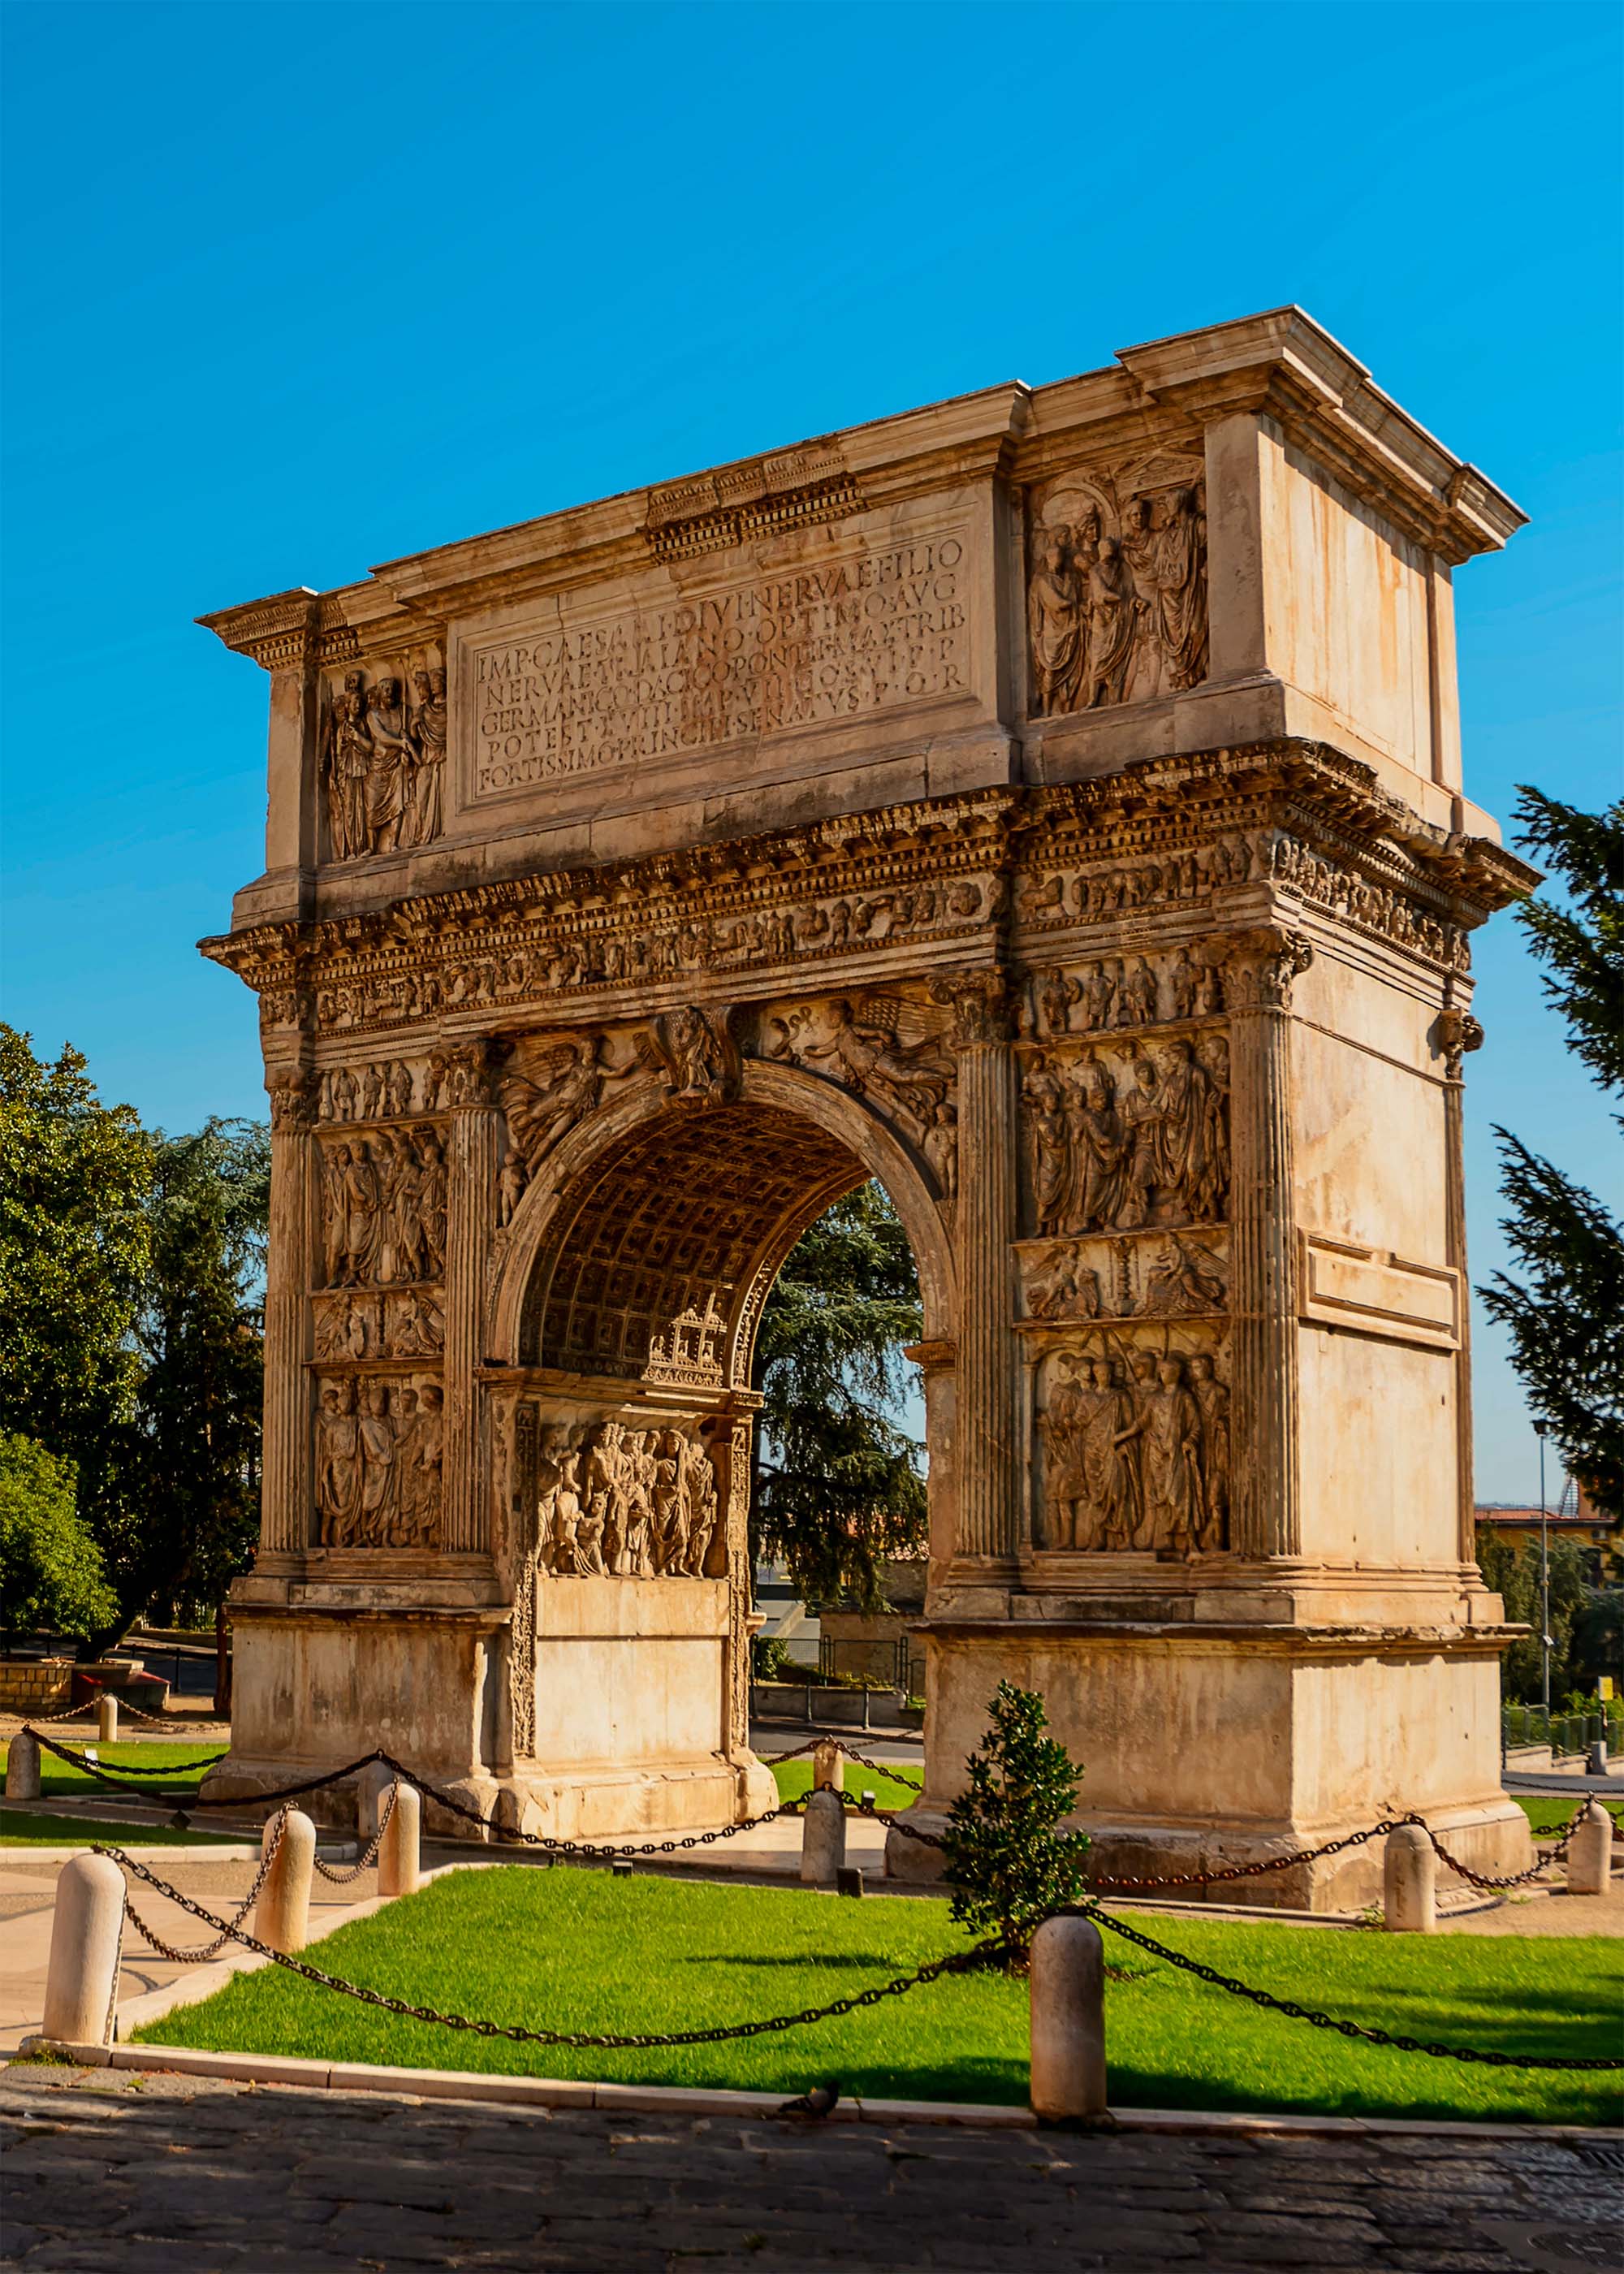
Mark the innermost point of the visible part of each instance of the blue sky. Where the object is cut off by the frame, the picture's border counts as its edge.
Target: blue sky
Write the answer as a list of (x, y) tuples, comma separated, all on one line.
[(293, 290)]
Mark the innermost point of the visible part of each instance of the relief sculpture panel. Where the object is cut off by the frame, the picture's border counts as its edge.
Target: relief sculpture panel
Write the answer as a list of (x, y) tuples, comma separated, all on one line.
[(1120, 1138), (1116, 595), (382, 760), (622, 1502), (1135, 1451), (380, 1455), (384, 1208)]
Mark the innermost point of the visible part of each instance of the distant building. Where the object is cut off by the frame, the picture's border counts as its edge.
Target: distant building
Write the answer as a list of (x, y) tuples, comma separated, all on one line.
[(1574, 1517)]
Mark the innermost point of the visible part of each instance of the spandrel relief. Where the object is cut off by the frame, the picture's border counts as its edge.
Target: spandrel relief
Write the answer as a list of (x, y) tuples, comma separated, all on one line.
[(380, 1456), (1119, 1139), (382, 758), (1117, 588), (617, 1501), (886, 1049), (1134, 1448), (384, 1208)]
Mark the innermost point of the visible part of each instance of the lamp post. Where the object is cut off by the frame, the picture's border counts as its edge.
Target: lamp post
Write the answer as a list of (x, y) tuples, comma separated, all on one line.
[(1542, 1430)]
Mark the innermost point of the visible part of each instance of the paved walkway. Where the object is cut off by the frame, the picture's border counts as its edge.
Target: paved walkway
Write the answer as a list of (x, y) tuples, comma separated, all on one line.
[(109, 2174)]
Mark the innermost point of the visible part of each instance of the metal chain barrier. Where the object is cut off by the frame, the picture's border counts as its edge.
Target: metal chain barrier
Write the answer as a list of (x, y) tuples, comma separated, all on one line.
[(110, 1771), (1487, 1880), (1344, 2028), (342, 1875), (229, 1928), (963, 1961), (881, 1768)]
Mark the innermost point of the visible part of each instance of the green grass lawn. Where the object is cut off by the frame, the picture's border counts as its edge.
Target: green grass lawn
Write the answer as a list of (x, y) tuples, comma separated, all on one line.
[(22, 1827), (794, 1779), (1553, 1812), (576, 1949), (59, 1780)]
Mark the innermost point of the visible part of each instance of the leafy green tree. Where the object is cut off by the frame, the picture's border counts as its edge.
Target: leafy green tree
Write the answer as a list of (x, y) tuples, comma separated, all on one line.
[(50, 1568), (1513, 1572), (188, 1514), (1009, 1861), (838, 1488), (75, 1249), (1566, 1322)]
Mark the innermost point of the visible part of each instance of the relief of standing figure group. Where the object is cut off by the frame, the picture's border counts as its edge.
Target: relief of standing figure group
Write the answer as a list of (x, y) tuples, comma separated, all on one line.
[(380, 1455), (1150, 1145), (385, 1209), (1137, 1456), (626, 1504), (383, 763), (1119, 619)]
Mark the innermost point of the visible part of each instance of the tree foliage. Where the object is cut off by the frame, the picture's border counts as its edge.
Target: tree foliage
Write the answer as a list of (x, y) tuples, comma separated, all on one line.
[(188, 1514), (75, 1249), (1565, 1318), (50, 1568), (1009, 1861), (130, 1266), (838, 1485), (1511, 1569)]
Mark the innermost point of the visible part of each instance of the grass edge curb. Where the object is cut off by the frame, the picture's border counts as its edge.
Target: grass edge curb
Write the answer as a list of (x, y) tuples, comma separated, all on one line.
[(549, 2092)]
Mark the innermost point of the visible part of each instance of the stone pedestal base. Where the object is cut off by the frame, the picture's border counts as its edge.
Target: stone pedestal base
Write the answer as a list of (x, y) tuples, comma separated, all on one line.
[(1212, 1746), (628, 1711)]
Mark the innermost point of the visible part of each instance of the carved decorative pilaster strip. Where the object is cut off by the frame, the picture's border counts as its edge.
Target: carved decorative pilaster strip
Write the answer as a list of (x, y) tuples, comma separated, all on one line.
[(471, 1210), (1458, 1032), (736, 1484), (988, 1366), (287, 1487), (1259, 967)]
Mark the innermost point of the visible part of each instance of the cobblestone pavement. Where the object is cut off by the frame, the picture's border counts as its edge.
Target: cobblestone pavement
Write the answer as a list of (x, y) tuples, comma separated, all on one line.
[(108, 2174)]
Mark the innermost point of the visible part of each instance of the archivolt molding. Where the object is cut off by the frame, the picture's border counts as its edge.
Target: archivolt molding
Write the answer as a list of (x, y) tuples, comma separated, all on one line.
[(647, 1212)]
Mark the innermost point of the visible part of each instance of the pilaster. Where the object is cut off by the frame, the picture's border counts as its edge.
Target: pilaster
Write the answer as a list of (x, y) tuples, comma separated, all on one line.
[(471, 1198), (287, 1484), (1259, 967), (1458, 1032), (988, 1430)]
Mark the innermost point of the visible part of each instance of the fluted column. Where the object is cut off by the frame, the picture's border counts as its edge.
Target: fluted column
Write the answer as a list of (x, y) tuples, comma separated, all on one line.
[(286, 1483), (471, 1222), (1259, 967), (1459, 1032), (989, 1436)]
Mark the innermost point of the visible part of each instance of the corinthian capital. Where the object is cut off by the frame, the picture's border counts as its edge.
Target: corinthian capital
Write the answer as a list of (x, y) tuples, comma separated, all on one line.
[(982, 1007), (292, 1091), (1458, 1032), (471, 1068), (1259, 967)]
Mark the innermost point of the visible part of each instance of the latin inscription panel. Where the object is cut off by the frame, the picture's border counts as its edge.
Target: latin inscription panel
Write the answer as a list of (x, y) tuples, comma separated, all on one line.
[(813, 645)]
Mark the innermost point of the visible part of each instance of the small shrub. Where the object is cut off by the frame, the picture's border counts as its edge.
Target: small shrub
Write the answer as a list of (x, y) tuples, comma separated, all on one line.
[(1010, 1863)]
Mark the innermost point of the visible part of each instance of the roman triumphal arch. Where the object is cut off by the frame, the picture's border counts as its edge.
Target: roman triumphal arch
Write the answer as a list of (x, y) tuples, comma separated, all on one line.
[(1048, 803)]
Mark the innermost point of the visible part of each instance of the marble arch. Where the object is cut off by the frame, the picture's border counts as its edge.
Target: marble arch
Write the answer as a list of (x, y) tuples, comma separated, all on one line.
[(1051, 802)]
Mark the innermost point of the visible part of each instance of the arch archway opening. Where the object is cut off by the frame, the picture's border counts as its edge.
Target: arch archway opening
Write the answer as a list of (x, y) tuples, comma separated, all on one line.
[(624, 1440)]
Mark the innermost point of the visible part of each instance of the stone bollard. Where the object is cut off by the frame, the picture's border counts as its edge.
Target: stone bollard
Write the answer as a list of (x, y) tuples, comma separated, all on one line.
[(281, 1915), (1409, 1882), (81, 1981), (1068, 2021), (371, 1786), (22, 1767), (400, 1868), (823, 1839), (1589, 1853), (107, 1718), (828, 1766)]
